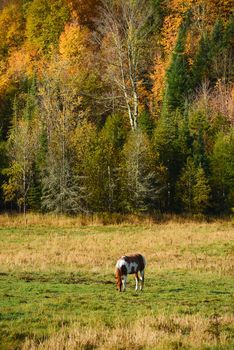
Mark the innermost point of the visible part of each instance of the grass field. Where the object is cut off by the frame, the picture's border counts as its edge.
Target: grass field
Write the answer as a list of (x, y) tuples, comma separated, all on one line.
[(57, 287)]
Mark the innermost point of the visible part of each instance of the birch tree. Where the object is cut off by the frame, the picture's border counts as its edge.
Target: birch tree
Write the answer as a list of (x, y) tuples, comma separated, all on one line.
[(125, 30)]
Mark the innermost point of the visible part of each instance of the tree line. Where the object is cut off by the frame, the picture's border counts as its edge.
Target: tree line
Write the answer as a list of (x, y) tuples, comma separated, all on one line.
[(116, 106)]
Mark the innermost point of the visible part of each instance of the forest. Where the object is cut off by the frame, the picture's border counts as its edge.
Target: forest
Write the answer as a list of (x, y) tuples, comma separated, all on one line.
[(117, 106)]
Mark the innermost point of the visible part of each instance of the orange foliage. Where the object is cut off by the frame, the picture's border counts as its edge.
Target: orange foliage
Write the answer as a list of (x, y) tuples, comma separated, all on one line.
[(158, 77), (23, 62)]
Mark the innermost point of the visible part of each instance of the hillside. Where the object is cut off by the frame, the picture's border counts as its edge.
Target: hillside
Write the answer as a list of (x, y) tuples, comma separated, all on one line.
[(116, 106)]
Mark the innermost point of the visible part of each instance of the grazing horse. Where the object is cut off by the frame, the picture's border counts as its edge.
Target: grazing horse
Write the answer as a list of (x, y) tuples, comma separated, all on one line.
[(130, 264)]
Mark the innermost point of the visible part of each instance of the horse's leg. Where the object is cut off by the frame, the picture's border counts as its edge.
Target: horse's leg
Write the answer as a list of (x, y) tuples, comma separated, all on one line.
[(142, 279), (124, 282), (137, 280)]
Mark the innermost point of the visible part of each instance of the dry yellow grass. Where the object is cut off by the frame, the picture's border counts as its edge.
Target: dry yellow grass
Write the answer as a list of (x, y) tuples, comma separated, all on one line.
[(17, 220), (161, 333), (174, 245)]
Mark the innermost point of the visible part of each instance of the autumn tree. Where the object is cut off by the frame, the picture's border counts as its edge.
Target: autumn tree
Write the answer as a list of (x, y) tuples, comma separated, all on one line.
[(60, 114), (125, 31), (22, 147), (98, 162), (86, 12), (45, 21), (12, 27)]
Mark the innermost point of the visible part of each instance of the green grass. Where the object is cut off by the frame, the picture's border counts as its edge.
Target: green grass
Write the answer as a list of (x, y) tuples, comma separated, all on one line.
[(36, 305), (36, 302)]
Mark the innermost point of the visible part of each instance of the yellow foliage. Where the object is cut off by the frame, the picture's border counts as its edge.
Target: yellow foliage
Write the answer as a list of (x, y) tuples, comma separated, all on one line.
[(10, 188), (4, 78), (73, 42), (11, 26)]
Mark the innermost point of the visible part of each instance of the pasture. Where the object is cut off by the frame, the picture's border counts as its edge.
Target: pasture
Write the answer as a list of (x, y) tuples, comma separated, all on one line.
[(57, 286)]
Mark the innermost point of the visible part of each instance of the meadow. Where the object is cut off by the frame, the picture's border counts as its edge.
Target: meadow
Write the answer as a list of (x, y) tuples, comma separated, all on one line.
[(57, 285)]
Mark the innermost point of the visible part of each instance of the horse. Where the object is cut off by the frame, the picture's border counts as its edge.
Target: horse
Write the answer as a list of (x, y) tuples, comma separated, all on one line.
[(130, 264)]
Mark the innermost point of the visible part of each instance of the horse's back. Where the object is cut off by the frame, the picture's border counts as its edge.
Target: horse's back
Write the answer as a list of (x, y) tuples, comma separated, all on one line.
[(131, 263)]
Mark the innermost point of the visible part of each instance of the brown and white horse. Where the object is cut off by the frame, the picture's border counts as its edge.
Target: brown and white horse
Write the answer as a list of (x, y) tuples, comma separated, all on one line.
[(130, 264)]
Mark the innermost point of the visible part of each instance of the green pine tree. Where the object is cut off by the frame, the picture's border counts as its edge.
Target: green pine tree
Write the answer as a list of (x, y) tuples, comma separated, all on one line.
[(201, 69), (185, 185), (172, 142), (201, 191), (177, 76), (222, 172)]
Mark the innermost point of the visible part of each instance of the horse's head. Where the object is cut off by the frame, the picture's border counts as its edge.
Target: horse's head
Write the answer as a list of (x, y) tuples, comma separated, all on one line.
[(118, 279)]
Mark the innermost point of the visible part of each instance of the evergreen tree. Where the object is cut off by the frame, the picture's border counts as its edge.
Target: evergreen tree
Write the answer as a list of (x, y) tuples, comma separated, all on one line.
[(146, 123), (171, 142), (61, 190), (200, 134), (177, 76), (193, 189), (201, 191), (222, 172), (201, 69), (3, 165), (185, 185), (218, 51)]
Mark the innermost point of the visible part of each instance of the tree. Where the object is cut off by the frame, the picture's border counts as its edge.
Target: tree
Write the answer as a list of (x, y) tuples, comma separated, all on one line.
[(177, 76), (222, 50), (74, 44), (12, 27), (45, 21), (86, 12), (98, 159), (112, 139), (61, 108), (3, 165), (222, 173), (171, 142), (77, 56), (185, 185), (125, 31), (201, 191), (193, 189), (142, 175), (22, 147), (201, 69)]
